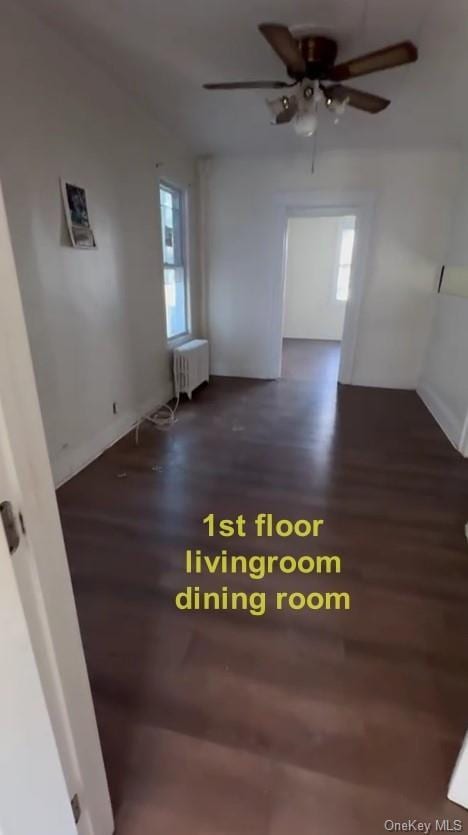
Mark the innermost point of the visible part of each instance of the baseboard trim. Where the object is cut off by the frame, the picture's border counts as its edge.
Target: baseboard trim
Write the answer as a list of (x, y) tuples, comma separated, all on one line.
[(444, 416), (464, 440), (80, 457)]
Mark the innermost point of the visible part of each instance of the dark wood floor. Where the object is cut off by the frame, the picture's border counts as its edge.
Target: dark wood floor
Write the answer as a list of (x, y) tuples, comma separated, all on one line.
[(324, 723)]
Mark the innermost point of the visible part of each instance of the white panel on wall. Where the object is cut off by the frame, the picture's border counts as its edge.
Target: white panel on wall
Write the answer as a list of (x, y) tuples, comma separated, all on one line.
[(444, 379), (455, 281)]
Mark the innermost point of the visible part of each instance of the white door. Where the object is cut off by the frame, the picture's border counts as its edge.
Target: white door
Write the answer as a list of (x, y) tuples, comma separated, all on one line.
[(33, 794), (458, 789), (33, 799)]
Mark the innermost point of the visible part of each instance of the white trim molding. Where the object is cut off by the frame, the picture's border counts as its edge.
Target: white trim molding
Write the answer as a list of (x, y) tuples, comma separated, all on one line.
[(444, 416), (321, 203), (464, 439), (73, 460)]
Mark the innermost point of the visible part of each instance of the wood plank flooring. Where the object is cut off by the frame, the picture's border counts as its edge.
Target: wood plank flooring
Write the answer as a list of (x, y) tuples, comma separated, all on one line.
[(311, 360), (325, 723)]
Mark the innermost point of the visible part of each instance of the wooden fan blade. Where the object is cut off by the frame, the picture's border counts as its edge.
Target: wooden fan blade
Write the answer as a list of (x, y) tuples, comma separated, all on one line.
[(357, 98), (282, 42), (248, 85), (383, 59), (288, 114)]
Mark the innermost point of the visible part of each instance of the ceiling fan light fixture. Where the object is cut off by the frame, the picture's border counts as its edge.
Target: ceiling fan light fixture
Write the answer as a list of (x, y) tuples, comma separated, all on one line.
[(278, 106), (338, 107), (305, 123), (312, 92), (316, 80)]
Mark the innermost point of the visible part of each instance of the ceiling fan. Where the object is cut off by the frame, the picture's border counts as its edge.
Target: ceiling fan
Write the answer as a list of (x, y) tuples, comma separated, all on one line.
[(310, 63)]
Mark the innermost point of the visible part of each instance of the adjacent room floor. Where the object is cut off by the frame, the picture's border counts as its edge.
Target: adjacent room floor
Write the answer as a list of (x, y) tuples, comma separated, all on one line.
[(326, 723), (313, 360)]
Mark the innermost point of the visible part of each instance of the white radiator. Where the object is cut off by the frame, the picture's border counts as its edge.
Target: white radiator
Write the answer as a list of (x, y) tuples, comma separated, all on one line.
[(191, 366)]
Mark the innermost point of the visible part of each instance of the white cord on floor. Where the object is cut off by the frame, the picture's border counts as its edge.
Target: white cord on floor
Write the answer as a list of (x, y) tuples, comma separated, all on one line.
[(162, 418)]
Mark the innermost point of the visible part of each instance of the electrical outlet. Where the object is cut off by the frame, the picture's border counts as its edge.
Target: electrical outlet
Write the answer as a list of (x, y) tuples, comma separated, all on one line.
[(114, 408)]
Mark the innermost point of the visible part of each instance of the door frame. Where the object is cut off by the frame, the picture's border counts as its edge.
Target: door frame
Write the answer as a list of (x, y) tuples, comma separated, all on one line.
[(34, 795), (42, 576), (322, 203)]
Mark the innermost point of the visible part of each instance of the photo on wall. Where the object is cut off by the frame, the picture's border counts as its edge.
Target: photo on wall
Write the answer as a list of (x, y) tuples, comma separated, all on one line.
[(77, 215)]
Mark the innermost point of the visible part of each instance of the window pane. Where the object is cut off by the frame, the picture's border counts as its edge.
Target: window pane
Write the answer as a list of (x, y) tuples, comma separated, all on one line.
[(347, 244), (167, 231), (174, 290), (173, 256), (342, 287), (166, 197), (171, 226), (170, 197)]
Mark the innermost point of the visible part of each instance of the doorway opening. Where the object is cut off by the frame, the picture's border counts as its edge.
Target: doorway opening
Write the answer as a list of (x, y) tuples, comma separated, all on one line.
[(318, 266)]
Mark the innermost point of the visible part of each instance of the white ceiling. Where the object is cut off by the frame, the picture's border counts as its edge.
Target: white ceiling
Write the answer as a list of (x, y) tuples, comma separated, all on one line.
[(163, 51)]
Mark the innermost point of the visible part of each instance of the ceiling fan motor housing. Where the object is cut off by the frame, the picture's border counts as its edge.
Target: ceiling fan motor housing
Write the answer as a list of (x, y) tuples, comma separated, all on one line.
[(319, 53)]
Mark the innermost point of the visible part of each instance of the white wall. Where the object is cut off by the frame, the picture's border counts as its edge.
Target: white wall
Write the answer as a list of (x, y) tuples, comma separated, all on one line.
[(311, 310), (444, 379), (413, 193), (96, 319)]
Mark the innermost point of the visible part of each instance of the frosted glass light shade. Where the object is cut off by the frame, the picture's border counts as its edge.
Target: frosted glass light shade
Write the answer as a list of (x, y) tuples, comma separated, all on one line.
[(305, 124)]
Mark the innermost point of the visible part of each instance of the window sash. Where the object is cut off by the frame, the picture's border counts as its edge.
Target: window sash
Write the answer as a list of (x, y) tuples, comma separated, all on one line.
[(342, 285), (171, 226), (175, 295), (346, 246), (345, 260), (173, 250)]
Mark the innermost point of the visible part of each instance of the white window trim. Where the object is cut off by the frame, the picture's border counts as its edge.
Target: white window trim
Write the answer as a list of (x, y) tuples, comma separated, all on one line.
[(184, 336)]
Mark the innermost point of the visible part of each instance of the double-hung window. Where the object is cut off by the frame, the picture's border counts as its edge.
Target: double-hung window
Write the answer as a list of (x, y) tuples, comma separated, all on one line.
[(175, 273), (345, 259)]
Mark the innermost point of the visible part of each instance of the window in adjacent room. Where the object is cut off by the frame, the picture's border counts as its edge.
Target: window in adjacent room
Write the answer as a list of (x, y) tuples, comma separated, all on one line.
[(345, 260), (175, 274)]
